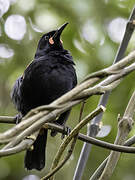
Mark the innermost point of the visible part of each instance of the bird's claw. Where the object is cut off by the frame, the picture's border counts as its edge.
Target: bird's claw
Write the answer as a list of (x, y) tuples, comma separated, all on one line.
[(66, 130), (18, 118)]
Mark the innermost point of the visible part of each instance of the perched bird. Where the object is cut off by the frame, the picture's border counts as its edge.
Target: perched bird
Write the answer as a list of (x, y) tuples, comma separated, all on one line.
[(50, 75)]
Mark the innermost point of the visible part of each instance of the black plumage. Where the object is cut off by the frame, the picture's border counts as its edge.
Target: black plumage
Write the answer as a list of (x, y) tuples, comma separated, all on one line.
[(50, 75)]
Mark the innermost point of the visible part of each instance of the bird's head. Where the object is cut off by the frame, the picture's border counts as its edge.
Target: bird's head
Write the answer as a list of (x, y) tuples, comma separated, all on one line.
[(51, 40)]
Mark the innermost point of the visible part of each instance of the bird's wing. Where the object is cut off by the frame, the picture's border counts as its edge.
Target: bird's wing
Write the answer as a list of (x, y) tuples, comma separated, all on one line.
[(74, 80), (15, 94)]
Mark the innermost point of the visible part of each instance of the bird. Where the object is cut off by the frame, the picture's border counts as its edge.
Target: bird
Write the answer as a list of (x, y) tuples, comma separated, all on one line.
[(50, 75)]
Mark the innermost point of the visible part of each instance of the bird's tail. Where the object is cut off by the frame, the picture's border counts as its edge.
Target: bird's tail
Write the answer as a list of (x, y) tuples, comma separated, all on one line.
[(35, 159)]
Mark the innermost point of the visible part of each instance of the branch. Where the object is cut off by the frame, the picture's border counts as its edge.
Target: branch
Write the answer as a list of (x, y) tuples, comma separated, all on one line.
[(35, 114), (124, 127), (37, 117), (7, 119), (81, 137), (25, 144), (73, 133), (113, 69), (100, 169), (61, 164), (103, 100), (30, 118), (100, 87)]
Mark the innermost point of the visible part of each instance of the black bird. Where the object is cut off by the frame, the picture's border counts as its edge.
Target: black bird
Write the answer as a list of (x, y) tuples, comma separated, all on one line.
[(50, 75)]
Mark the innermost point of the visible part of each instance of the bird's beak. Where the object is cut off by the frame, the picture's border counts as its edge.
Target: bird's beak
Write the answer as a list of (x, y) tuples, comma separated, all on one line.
[(59, 31)]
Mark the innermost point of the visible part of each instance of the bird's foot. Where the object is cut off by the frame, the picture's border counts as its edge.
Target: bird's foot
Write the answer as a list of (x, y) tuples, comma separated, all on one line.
[(18, 118), (66, 130)]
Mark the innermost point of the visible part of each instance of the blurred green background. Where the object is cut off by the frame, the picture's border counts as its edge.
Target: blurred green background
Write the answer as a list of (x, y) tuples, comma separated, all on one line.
[(93, 35)]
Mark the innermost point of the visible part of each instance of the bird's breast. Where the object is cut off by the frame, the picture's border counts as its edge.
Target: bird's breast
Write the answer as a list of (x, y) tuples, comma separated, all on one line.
[(43, 84)]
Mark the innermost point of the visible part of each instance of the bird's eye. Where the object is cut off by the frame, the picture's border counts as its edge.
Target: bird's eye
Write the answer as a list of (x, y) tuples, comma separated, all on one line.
[(46, 37)]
